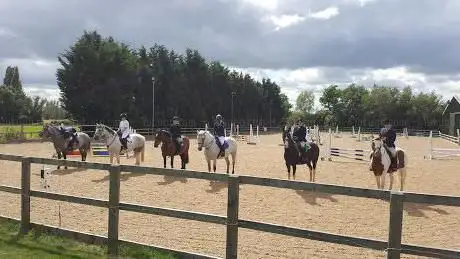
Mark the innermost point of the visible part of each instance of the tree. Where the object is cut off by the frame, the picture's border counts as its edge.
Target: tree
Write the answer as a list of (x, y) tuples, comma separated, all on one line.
[(53, 110), (100, 77), (305, 102)]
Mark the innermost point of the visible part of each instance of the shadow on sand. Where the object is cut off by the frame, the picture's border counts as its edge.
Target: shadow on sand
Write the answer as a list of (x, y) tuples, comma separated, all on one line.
[(419, 209), (123, 177), (312, 197), (172, 179), (216, 186)]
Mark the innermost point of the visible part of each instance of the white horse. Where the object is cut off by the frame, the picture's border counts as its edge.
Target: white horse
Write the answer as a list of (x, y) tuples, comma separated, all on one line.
[(211, 149), (381, 161), (135, 143)]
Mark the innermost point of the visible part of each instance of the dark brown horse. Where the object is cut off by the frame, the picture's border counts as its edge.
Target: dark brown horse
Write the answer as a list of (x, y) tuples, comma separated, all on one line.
[(168, 148), (291, 156)]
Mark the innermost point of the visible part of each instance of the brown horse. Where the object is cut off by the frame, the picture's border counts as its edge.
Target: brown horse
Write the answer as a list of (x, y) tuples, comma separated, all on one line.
[(291, 156), (168, 148)]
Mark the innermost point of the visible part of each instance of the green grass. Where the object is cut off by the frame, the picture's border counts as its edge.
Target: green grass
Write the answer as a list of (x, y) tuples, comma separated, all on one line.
[(12, 132), (39, 245)]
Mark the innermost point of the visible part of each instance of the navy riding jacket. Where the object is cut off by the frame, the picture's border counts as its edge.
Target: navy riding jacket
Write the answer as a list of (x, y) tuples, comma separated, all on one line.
[(175, 131), (390, 135), (300, 133), (219, 129)]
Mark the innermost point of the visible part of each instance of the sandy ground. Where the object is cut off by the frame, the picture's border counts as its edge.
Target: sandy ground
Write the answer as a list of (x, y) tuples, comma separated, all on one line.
[(424, 225)]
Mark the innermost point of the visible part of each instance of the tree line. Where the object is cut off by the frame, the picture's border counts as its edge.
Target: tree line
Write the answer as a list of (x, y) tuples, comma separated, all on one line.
[(17, 107), (100, 78), (356, 105)]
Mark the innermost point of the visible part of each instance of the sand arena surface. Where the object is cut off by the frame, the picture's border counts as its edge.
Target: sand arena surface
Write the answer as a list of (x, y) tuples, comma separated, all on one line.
[(435, 226)]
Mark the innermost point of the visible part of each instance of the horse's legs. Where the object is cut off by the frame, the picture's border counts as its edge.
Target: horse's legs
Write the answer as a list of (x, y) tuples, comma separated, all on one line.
[(164, 161), (402, 177), (209, 165), (392, 178), (59, 157), (65, 158), (172, 161), (214, 165), (228, 163), (118, 158), (377, 180), (288, 167), (137, 155), (111, 158), (233, 163), (294, 169), (382, 178)]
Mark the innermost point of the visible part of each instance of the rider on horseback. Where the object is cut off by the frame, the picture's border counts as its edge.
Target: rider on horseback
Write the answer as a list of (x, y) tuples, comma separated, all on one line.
[(300, 137), (69, 132), (123, 131), (175, 131), (388, 135), (219, 133)]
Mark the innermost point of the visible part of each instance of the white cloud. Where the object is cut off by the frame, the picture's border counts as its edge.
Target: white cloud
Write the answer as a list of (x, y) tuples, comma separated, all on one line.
[(284, 21), (325, 14), (316, 79)]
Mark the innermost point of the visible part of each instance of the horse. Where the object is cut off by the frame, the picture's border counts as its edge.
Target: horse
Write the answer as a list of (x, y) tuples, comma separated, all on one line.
[(168, 148), (60, 143), (291, 156), (135, 143), (381, 164), (211, 150)]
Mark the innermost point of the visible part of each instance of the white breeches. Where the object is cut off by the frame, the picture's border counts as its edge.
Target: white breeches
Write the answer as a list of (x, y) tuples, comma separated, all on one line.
[(125, 134), (221, 140), (393, 151)]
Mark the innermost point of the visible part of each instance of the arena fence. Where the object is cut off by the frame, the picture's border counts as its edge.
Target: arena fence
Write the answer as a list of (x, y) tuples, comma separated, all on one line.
[(393, 246)]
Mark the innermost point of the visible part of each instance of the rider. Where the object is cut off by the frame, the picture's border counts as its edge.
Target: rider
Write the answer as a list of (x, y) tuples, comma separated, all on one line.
[(300, 137), (175, 131), (69, 132), (219, 133), (123, 130), (388, 135)]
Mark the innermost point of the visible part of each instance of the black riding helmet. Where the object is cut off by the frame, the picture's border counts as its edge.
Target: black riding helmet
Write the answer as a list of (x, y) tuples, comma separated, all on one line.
[(123, 115)]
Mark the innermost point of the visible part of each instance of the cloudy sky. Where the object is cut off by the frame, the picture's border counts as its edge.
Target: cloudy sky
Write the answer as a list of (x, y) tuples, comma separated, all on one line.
[(301, 44)]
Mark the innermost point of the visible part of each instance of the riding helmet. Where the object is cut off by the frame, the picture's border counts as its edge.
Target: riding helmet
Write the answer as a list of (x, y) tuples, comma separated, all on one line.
[(123, 115), (218, 117)]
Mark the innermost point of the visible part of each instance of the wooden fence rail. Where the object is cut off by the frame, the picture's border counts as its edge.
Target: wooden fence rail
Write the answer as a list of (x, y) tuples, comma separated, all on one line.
[(393, 246)]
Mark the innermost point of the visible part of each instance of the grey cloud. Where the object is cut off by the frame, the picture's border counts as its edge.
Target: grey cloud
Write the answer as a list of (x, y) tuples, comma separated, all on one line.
[(417, 33)]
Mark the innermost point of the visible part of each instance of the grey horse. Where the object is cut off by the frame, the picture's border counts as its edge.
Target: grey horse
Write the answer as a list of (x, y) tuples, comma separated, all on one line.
[(61, 143)]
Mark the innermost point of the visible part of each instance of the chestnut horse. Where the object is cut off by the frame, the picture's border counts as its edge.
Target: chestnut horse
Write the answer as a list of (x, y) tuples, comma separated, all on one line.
[(168, 147)]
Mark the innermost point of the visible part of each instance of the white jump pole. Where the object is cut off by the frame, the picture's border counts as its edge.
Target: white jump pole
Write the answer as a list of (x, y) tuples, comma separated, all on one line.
[(206, 126), (237, 129)]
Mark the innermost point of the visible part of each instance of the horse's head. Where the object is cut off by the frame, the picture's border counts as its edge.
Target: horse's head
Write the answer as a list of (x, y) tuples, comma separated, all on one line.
[(161, 136), (47, 131), (101, 132), (201, 138)]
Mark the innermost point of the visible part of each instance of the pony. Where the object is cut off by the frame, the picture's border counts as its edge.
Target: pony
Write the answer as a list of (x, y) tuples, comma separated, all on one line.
[(211, 150), (135, 143), (168, 148), (60, 143), (291, 156), (381, 164)]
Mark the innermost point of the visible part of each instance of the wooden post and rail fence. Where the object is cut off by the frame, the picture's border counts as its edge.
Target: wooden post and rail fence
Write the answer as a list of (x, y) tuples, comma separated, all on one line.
[(393, 246)]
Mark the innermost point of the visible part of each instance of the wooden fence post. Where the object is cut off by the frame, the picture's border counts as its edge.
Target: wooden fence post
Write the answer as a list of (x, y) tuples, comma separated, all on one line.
[(233, 200), (395, 229), (25, 195), (114, 211)]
